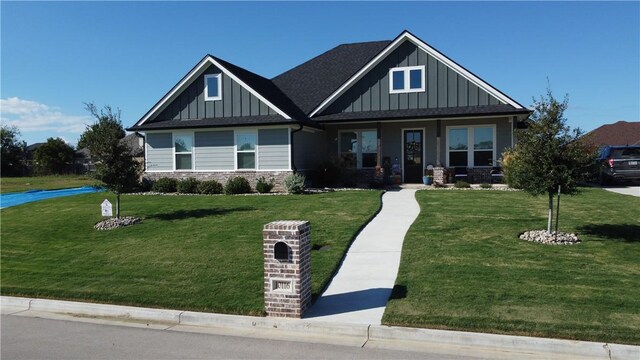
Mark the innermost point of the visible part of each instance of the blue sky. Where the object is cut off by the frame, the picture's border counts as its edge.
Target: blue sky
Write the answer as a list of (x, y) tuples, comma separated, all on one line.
[(57, 55)]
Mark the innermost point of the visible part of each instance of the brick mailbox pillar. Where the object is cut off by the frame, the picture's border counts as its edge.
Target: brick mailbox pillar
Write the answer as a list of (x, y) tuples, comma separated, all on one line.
[(287, 268)]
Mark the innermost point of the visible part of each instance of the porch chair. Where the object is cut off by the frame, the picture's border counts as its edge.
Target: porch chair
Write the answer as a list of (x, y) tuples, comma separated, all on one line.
[(496, 175), (460, 174)]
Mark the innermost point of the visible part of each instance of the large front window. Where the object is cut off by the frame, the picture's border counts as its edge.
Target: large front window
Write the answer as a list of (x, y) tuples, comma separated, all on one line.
[(359, 149), (246, 150), (183, 150), (482, 153)]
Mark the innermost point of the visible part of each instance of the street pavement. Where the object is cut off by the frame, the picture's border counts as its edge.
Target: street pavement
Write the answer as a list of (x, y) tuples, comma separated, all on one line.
[(37, 338)]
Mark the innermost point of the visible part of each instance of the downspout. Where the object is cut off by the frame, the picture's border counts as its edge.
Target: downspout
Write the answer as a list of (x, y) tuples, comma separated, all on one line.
[(144, 150), (293, 163)]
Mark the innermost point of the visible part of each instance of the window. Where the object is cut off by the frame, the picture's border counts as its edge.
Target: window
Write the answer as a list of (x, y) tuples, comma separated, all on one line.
[(483, 146), (458, 147), (459, 153), (359, 149), (246, 150), (369, 148), (349, 149), (183, 150), (212, 87), (406, 79)]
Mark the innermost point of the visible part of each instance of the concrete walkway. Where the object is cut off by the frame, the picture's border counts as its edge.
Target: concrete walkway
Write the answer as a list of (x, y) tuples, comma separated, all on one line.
[(359, 292)]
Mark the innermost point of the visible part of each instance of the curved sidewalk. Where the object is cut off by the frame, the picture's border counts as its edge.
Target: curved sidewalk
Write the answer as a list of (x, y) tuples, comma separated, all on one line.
[(359, 291)]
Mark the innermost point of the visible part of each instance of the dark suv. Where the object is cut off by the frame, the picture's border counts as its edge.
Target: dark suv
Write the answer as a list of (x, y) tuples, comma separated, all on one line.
[(619, 163)]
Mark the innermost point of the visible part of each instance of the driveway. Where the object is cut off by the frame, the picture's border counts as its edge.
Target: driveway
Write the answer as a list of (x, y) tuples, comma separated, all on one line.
[(633, 190)]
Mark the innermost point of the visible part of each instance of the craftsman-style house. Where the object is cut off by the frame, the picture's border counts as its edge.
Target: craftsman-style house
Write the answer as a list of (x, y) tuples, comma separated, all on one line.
[(398, 105)]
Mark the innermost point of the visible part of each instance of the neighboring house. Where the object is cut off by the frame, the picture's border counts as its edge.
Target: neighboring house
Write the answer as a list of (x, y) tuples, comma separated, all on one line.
[(30, 152), (387, 104), (84, 162), (619, 133)]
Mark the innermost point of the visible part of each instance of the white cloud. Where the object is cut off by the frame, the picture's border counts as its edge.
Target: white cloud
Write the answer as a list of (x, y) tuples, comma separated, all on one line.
[(30, 116)]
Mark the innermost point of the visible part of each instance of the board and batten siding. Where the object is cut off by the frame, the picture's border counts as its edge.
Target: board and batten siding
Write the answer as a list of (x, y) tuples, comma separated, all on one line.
[(159, 152), (214, 150), (236, 101), (273, 149), (444, 87)]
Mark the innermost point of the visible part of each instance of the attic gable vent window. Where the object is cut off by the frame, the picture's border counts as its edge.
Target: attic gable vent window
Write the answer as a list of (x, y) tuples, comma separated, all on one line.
[(212, 87), (406, 79)]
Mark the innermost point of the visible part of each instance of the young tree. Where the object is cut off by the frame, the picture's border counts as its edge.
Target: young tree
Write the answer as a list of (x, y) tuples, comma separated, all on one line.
[(12, 151), (54, 156), (115, 166), (548, 154)]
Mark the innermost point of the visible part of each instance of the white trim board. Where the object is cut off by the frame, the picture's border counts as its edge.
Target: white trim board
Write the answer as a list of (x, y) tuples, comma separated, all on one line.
[(191, 77), (407, 36)]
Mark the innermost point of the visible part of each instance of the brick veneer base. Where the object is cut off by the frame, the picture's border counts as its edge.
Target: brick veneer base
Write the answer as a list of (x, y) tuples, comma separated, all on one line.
[(222, 177), (287, 282)]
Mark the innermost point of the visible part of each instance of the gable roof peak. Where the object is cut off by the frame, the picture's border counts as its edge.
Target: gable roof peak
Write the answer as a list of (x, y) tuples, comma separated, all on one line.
[(257, 85), (404, 36)]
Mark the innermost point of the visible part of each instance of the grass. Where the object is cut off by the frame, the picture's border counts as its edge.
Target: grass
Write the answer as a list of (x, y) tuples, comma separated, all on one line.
[(201, 253), (19, 184), (463, 267)]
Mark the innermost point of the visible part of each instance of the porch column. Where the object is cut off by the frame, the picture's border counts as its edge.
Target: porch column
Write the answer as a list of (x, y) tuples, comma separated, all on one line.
[(378, 149), (438, 130)]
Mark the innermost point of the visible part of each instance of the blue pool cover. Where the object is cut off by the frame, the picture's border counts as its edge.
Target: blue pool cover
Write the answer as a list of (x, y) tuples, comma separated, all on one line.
[(13, 199)]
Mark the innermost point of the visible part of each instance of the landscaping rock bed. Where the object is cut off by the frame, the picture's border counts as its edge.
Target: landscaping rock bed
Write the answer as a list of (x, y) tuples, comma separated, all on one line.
[(114, 223), (549, 238)]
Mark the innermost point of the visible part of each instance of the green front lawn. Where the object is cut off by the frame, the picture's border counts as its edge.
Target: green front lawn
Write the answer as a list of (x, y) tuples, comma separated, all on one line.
[(463, 267), (19, 184), (200, 253)]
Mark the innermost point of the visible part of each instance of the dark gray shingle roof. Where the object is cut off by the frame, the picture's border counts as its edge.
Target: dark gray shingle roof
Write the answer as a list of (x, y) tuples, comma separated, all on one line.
[(266, 88), (312, 82)]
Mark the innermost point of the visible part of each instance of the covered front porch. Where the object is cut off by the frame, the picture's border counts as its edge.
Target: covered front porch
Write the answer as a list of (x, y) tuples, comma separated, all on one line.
[(405, 151)]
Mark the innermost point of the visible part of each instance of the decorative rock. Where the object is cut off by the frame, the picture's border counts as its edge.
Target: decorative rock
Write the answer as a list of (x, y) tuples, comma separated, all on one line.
[(114, 223), (550, 238)]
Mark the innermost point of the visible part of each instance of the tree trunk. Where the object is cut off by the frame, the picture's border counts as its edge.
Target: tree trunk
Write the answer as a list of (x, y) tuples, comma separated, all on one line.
[(118, 206), (549, 220)]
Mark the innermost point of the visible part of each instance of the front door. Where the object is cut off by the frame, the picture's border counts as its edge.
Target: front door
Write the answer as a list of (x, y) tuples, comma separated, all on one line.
[(413, 162)]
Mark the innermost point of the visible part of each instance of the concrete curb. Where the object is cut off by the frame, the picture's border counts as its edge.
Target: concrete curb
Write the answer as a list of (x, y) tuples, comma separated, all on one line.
[(103, 310), (456, 342), (520, 344), (187, 318), (273, 324)]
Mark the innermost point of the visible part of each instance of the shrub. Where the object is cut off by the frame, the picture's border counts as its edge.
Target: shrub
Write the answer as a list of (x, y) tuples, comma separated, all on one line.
[(165, 185), (263, 186), (210, 187), (349, 177), (376, 184), (237, 185), (188, 186), (145, 185), (295, 183), (486, 186), (327, 174), (462, 185)]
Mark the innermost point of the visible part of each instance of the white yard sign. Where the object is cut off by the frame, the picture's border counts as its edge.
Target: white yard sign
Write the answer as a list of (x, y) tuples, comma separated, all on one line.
[(107, 208)]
